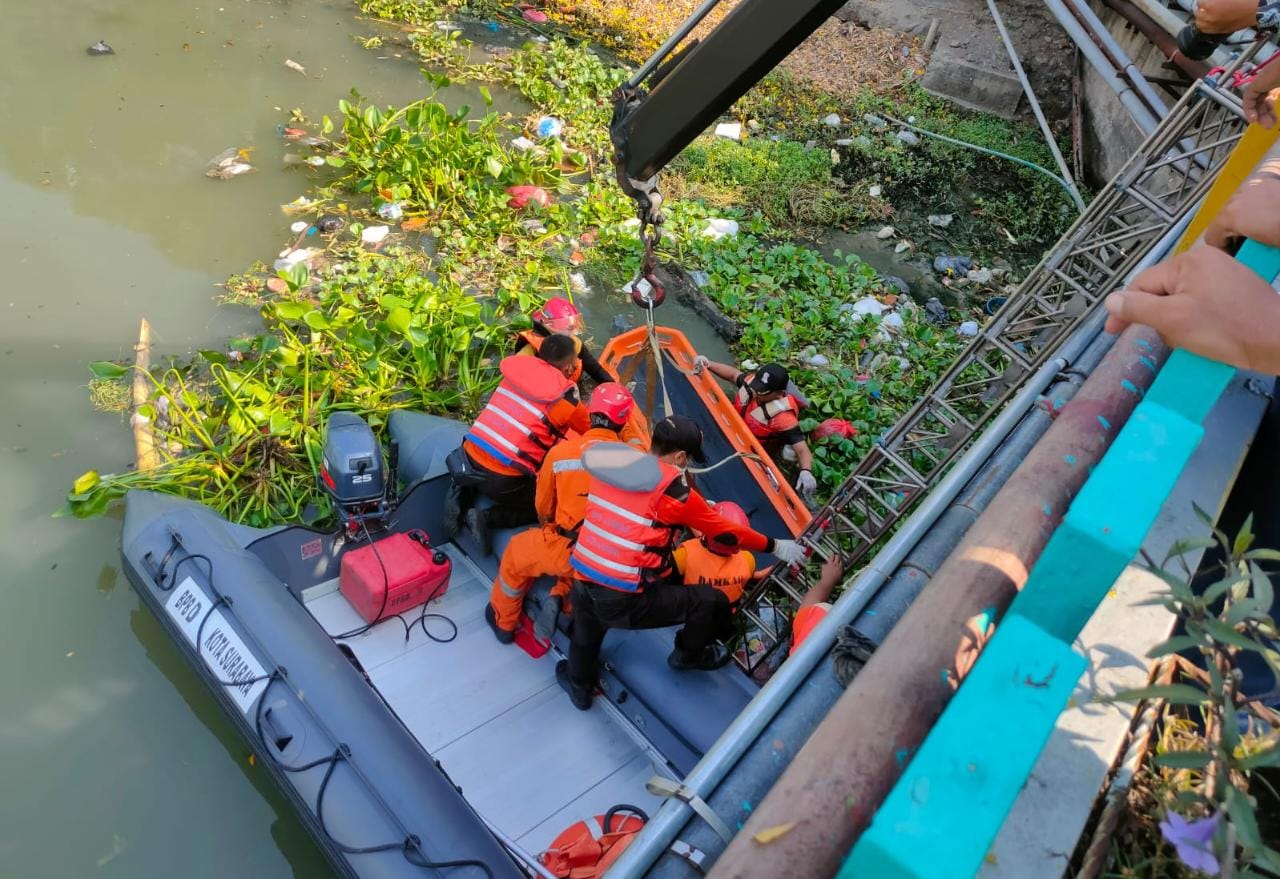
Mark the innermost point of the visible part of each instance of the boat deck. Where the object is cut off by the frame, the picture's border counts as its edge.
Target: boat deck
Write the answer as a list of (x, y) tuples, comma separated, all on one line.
[(528, 761)]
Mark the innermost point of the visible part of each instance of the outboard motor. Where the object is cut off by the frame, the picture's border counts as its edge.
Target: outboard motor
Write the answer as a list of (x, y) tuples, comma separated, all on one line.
[(361, 486)]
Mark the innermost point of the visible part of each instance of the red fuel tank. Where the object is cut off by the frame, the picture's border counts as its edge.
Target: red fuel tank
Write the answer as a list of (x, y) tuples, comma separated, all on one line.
[(414, 573)]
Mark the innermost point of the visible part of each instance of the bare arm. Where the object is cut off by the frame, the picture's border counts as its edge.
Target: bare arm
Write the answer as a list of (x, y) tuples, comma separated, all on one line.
[(724, 371), (832, 572), (804, 457)]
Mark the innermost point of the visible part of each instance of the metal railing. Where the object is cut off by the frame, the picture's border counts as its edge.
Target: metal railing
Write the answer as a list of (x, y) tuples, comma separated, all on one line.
[(1153, 191)]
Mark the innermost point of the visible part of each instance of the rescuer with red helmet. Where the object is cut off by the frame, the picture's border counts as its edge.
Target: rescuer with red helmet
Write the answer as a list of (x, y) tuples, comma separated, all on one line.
[(560, 501), (534, 407), (559, 315), (637, 503)]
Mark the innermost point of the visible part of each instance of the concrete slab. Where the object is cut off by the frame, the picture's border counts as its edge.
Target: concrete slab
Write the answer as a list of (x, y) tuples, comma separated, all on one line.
[(979, 87), (1046, 821)]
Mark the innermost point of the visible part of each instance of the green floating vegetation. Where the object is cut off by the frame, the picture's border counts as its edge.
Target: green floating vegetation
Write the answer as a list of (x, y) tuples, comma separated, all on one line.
[(420, 320)]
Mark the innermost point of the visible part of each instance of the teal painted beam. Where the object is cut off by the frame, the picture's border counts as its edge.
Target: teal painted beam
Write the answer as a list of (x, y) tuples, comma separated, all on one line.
[(1107, 522), (940, 818)]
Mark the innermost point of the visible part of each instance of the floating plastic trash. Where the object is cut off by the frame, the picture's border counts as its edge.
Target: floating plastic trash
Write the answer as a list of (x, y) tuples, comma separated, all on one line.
[(942, 221), (952, 265), (717, 228), (868, 305), (100, 48), (885, 232), (390, 211), (893, 320), (295, 66), (298, 204), (536, 16), (299, 226), (992, 305), (831, 120), (522, 143), (522, 195), (374, 234), (549, 126), (493, 26), (731, 130), (908, 138), (700, 279), (836, 427), (968, 328), (231, 162), (330, 223), (292, 258), (875, 191)]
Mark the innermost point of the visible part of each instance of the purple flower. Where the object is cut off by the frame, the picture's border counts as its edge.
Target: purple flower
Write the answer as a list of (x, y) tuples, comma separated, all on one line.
[(1193, 841)]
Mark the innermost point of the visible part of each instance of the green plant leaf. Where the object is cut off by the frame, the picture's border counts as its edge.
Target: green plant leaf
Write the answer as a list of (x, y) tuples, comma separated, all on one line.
[(335, 161), (1243, 818), (107, 369), (1262, 589), (1174, 694), (316, 320), (297, 276), (398, 319), (488, 99), (1224, 634), (211, 356), (1244, 537), (292, 310), (494, 166)]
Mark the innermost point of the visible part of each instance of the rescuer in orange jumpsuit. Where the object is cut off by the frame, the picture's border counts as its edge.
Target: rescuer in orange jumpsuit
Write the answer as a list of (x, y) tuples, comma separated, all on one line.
[(561, 501)]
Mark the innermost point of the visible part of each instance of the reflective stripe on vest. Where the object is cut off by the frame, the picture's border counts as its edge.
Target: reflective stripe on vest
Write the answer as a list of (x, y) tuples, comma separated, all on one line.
[(567, 465), (513, 427), (759, 416), (620, 540), (728, 573)]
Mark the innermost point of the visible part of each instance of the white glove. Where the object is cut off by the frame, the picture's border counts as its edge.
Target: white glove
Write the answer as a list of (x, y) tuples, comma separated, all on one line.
[(700, 363), (789, 552), (806, 484)]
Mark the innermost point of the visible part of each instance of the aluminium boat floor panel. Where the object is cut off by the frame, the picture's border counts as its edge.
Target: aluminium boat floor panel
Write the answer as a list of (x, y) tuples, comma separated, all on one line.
[(528, 761)]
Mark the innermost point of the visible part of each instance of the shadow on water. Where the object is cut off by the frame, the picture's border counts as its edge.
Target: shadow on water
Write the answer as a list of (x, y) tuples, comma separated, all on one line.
[(292, 838)]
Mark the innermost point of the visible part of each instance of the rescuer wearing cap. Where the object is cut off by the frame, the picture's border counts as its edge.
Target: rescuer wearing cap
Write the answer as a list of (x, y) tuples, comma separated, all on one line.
[(533, 408), (770, 405), (637, 504), (559, 315), (560, 501)]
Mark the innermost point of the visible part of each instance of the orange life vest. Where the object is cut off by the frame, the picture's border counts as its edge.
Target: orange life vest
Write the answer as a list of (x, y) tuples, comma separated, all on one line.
[(728, 573), (807, 618), (587, 849), (760, 416), (621, 543), (514, 427), (534, 340)]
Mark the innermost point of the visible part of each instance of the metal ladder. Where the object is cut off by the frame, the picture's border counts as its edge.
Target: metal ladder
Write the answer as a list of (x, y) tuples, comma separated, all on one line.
[(1155, 189)]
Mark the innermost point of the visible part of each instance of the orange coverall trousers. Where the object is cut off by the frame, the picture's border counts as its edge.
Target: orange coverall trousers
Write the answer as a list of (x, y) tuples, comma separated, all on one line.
[(531, 554)]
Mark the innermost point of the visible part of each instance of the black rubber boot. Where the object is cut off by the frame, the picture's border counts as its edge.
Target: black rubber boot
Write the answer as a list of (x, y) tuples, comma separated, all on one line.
[(452, 519), (580, 696), (478, 526), (544, 626), (714, 655), (503, 636)]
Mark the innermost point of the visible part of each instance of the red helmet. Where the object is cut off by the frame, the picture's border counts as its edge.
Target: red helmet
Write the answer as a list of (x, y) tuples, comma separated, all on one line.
[(611, 400), (559, 315), (733, 514)]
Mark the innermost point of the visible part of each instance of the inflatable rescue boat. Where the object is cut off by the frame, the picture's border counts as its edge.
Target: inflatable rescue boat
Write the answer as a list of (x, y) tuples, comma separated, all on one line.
[(418, 745)]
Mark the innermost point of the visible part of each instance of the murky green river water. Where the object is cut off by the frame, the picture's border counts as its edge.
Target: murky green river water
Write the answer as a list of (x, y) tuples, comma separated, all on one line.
[(114, 761)]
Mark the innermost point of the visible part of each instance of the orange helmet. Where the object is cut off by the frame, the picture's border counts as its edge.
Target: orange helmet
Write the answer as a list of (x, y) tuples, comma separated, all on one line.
[(734, 515), (559, 315), (611, 400)]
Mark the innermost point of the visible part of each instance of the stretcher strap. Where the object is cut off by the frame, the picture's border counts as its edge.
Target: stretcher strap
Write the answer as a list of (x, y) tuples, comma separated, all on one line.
[(665, 787)]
